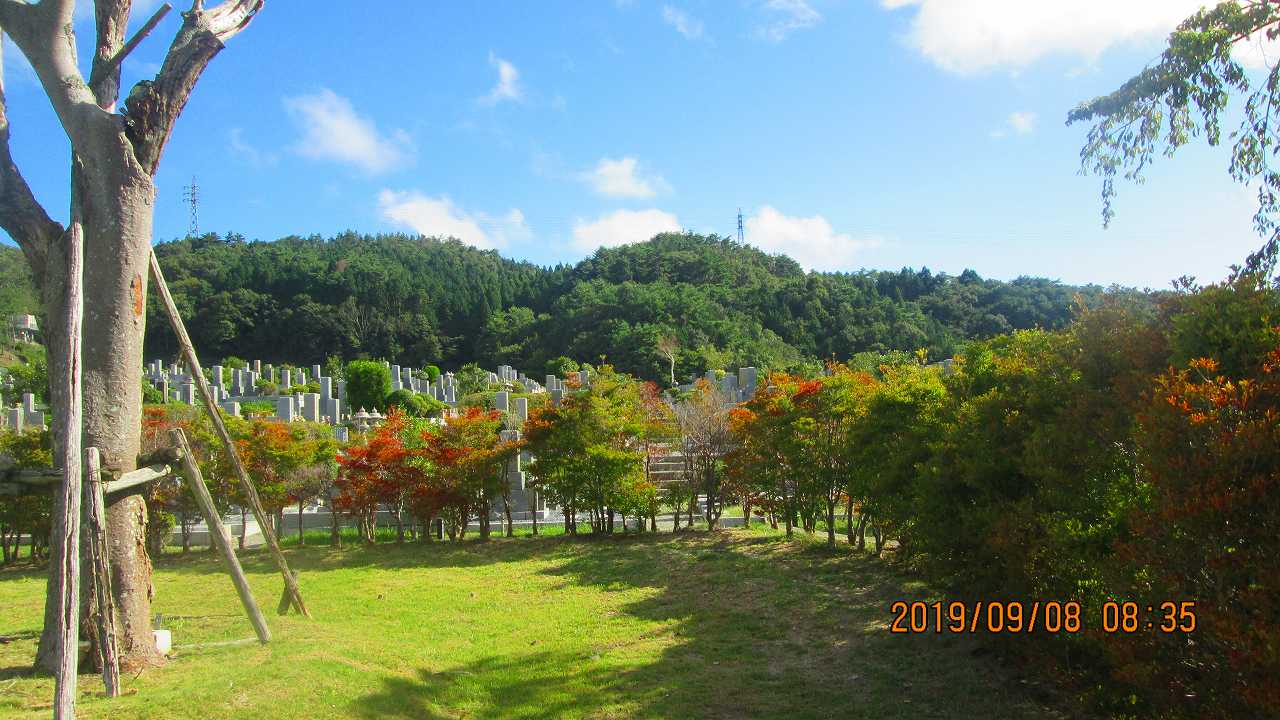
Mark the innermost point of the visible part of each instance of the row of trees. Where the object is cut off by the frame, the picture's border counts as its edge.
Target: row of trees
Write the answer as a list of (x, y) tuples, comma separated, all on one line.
[(425, 471), (594, 456), (291, 464), (1131, 456)]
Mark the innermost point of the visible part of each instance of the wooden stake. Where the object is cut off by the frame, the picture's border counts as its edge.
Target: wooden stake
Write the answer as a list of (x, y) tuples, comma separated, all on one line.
[(96, 527), (66, 524), (219, 536), (202, 386)]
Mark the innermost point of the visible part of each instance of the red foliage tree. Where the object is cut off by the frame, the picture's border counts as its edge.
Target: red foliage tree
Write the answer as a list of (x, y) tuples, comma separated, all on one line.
[(1210, 534)]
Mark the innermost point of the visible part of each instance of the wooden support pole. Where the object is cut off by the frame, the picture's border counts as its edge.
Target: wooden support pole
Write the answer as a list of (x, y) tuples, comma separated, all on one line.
[(219, 536), (64, 568), (20, 481), (202, 386), (134, 478), (105, 609)]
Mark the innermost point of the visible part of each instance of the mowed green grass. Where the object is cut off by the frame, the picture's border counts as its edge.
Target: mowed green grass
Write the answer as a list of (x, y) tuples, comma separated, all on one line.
[(735, 624)]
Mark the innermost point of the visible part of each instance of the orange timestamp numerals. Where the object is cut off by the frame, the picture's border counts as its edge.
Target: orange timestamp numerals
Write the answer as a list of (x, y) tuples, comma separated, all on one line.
[(1166, 617), (1050, 616)]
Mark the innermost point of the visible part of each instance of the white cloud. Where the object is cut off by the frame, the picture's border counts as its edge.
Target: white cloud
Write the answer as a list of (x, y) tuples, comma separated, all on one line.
[(440, 217), (333, 130), (810, 241), (618, 178), (1256, 52), (244, 149), (969, 36), (685, 24), (1022, 123), (622, 227), (508, 87), (789, 16)]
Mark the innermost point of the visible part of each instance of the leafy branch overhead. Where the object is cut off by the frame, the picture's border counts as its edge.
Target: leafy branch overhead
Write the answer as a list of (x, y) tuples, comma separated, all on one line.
[(1182, 97)]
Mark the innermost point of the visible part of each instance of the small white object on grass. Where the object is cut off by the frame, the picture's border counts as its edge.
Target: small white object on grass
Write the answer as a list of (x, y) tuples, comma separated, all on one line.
[(164, 641)]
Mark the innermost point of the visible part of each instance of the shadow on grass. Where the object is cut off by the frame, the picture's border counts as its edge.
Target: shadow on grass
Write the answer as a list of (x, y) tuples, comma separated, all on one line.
[(750, 626), (385, 555)]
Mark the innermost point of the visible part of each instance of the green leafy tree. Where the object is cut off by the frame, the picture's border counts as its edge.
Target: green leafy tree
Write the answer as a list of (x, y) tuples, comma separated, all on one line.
[(31, 376), (334, 368), (1183, 97), (368, 384), (562, 366), (29, 514), (588, 450), (151, 395), (472, 379)]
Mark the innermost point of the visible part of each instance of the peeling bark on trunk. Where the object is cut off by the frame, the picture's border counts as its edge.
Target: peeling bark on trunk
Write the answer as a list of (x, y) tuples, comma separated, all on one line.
[(111, 178), (117, 200)]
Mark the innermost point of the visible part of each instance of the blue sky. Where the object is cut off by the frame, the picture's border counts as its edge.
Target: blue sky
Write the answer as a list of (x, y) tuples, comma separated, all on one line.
[(852, 133)]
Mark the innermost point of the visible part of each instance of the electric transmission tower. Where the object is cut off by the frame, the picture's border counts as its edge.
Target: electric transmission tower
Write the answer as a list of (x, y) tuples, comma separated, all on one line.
[(191, 196), (741, 235)]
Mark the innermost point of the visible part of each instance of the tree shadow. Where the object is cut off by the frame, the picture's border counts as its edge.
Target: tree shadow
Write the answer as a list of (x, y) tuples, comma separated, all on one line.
[(389, 556), (745, 626)]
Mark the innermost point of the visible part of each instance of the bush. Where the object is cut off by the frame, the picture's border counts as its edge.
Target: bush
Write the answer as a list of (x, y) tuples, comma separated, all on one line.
[(415, 405), (368, 385)]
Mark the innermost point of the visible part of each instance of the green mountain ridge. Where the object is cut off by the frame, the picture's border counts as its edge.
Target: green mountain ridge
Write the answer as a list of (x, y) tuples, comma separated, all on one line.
[(421, 300)]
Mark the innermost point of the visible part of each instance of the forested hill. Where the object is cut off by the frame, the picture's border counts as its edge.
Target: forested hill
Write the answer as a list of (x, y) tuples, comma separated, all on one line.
[(421, 300)]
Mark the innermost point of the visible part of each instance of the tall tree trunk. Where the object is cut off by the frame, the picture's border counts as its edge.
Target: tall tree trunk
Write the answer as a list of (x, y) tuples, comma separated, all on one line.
[(117, 257), (302, 540), (848, 517), (113, 195), (831, 521), (506, 510), (335, 531)]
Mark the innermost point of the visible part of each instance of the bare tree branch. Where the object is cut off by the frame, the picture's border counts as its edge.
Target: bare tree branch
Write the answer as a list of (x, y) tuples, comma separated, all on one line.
[(153, 106), (20, 214), (104, 80), (46, 37)]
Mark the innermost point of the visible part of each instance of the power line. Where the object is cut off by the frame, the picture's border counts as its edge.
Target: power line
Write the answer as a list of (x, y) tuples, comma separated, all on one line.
[(191, 196)]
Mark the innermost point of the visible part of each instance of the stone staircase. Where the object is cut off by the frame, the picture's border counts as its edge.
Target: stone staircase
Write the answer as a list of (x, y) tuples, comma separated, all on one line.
[(667, 466)]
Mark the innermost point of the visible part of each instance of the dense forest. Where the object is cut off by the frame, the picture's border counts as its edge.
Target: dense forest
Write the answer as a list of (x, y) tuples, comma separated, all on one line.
[(719, 303)]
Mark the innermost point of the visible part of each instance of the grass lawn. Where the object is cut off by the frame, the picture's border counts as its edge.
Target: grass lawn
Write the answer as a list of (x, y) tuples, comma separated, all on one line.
[(735, 624)]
